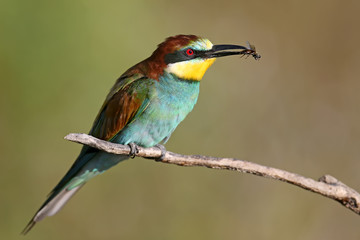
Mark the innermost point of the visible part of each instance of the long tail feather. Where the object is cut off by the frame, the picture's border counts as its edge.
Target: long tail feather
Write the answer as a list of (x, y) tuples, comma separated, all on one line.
[(88, 165), (51, 206)]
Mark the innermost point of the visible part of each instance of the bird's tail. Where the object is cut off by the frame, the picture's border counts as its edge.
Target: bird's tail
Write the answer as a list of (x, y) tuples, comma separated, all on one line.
[(54, 203), (87, 166)]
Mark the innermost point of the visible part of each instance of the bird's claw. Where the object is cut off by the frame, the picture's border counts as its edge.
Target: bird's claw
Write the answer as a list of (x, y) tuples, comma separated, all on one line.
[(133, 149), (163, 152)]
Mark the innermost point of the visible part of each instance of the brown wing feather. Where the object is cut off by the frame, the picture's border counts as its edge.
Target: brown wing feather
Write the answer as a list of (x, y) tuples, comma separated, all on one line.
[(119, 109), (117, 113)]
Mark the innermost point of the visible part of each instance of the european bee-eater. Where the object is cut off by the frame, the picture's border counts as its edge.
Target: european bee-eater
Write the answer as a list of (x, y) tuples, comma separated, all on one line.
[(144, 107)]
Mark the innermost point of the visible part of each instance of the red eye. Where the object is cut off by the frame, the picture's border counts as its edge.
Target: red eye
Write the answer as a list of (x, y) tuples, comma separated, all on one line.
[(190, 52)]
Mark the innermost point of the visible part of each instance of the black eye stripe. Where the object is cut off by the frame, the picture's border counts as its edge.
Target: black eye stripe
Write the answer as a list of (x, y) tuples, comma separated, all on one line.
[(182, 55)]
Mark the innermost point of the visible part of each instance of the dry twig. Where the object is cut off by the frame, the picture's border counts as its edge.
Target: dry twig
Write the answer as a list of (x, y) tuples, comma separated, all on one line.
[(327, 185)]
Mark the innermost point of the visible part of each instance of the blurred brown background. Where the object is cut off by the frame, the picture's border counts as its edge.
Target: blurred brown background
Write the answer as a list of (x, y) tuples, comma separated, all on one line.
[(296, 109)]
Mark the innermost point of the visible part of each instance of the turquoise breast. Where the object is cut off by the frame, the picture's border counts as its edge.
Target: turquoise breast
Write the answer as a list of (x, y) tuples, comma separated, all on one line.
[(169, 101)]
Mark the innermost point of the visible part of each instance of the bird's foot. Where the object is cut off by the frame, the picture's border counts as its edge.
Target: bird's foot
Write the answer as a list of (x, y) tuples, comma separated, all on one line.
[(133, 149), (163, 152)]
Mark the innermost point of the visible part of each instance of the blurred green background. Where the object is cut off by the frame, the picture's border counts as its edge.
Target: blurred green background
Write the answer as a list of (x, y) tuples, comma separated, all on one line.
[(296, 109)]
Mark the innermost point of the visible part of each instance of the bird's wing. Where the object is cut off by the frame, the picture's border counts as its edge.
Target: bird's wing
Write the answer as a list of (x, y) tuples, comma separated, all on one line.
[(126, 100)]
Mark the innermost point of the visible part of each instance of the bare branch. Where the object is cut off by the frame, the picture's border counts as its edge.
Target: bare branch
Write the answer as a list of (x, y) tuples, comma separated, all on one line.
[(327, 185)]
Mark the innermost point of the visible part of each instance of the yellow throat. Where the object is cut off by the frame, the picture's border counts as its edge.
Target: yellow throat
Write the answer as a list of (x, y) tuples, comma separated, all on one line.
[(191, 70)]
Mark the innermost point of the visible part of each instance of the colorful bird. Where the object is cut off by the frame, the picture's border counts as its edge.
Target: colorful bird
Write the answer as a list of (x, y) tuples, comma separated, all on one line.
[(143, 108)]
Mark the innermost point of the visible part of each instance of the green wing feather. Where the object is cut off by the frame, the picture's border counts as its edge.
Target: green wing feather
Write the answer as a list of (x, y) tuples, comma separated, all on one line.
[(124, 102)]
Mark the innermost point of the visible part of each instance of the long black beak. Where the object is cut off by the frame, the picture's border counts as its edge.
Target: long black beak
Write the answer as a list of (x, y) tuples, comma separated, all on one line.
[(222, 51)]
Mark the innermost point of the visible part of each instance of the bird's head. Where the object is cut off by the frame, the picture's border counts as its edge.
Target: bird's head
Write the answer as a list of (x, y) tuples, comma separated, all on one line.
[(189, 56)]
